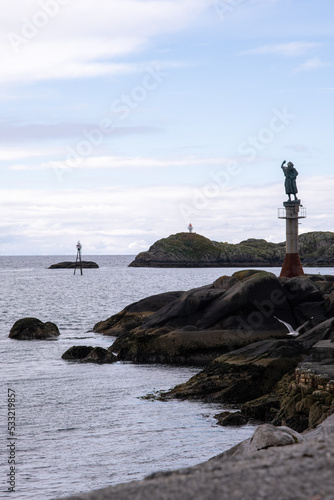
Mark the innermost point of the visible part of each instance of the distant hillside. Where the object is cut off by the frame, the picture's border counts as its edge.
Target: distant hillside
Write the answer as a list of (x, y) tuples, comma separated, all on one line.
[(193, 250)]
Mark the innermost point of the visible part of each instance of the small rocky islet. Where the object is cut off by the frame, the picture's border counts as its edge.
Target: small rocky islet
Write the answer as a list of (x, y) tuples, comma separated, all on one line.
[(85, 264), (194, 250)]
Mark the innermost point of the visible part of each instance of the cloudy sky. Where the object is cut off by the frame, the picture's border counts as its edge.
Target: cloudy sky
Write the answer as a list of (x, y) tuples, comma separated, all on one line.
[(124, 120)]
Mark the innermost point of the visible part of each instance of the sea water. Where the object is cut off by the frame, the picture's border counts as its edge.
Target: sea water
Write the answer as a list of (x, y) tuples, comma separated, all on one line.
[(80, 427)]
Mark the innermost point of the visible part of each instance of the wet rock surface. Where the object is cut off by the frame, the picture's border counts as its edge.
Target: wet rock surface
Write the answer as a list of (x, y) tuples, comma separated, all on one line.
[(33, 329), (89, 354)]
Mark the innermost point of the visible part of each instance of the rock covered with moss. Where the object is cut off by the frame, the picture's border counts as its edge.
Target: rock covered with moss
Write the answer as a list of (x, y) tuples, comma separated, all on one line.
[(193, 250)]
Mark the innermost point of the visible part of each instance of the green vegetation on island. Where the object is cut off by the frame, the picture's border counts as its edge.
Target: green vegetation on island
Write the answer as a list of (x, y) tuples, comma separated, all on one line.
[(194, 250)]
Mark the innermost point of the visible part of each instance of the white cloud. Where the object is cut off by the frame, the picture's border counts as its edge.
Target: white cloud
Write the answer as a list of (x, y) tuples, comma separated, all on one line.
[(138, 245), (85, 38), (290, 49), (11, 154), (311, 65), (125, 220), (115, 162)]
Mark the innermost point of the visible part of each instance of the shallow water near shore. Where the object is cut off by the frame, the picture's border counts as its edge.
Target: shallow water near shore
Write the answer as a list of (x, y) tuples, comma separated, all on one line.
[(80, 427)]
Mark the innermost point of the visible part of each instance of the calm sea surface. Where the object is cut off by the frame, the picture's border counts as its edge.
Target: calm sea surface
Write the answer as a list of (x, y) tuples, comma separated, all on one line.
[(80, 427)]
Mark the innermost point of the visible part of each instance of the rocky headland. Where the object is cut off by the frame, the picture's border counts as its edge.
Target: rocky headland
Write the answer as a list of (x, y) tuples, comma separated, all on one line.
[(231, 328), (85, 264), (193, 250)]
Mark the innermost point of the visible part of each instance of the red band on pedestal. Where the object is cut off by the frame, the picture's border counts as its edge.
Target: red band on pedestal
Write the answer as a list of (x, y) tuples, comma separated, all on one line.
[(292, 266)]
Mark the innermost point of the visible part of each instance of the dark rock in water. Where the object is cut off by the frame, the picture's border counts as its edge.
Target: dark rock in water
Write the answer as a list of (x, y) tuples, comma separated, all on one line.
[(77, 352), (33, 329), (227, 418), (85, 264), (194, 250), (100, 355), (88, 354)]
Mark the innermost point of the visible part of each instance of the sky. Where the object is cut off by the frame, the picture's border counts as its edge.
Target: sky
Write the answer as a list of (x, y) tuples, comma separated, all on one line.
[(125, 120)]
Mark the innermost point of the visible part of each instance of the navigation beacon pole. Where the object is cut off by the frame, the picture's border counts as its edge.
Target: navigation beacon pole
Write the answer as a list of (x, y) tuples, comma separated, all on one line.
[(78, 259), (292, 212)]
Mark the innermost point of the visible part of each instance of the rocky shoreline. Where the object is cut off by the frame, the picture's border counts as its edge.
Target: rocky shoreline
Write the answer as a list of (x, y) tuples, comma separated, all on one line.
[(233, 329), (193, 250), (277, 463)]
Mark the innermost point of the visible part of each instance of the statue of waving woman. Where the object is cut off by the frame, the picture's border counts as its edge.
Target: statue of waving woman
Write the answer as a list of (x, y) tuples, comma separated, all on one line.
[(290, 179)]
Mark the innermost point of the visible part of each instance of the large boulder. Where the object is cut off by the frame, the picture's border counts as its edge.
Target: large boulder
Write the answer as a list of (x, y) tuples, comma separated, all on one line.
[(33, 329), (265, 436), (134, 314)]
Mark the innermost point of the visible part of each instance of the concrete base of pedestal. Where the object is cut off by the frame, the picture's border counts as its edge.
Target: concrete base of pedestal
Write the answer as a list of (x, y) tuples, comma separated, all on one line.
[(292, 266)]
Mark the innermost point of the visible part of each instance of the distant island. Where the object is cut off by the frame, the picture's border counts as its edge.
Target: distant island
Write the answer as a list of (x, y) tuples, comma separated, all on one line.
[(85, 264), (316, 249)]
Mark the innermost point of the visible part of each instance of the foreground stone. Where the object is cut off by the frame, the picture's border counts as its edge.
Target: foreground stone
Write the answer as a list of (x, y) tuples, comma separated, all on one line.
[(33, 329), (275, 464), (85, 264)]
